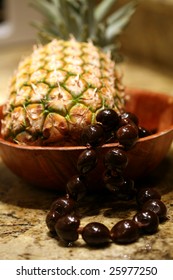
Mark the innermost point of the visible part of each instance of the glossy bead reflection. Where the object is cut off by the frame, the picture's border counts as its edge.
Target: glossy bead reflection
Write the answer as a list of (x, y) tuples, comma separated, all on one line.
[(145, 194), (116, 159), (96, 234), (147, 221), (124, 232), (92, 135), (109, 119), (87, 161), (67, 228), (157, 206), (76, 187), (127, 135)]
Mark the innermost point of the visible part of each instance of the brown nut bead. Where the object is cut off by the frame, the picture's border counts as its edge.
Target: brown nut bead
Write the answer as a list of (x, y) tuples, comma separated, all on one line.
[(147, 221), (125, 231), (96, 234), (66, 228), (157, 206)]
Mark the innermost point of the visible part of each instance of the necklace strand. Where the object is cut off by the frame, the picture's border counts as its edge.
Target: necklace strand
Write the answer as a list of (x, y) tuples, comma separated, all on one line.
[(63, 219)]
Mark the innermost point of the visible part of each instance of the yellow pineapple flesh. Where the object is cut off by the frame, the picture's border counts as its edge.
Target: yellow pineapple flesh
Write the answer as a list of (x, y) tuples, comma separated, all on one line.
[(58, 90)]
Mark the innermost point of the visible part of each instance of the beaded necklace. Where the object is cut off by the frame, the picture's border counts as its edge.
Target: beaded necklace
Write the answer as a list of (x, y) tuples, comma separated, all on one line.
[(63, 219)]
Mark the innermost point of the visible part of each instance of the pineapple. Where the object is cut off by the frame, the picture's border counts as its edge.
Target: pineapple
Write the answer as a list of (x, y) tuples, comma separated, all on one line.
[(66, 81)]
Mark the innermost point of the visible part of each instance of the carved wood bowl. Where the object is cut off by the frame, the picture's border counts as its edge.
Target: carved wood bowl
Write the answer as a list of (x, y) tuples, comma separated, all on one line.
[(51, 167)]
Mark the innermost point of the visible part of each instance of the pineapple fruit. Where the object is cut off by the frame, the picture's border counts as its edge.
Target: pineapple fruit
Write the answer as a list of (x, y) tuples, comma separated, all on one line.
[(62, 85)]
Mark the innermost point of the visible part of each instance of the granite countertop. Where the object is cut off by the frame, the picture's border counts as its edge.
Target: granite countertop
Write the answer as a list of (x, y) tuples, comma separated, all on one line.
[(23, 208)]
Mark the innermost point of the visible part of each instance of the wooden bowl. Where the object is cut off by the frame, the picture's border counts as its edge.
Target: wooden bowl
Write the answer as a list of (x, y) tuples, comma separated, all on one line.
[(51, 167)]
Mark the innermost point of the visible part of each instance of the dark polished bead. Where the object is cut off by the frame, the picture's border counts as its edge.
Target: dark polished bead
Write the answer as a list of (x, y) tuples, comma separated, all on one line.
[(63, 205), (143, 132), (122, 188), (76, 187), (124, 232), (145, 194), (87, 161), (127, 190), (109, 119), (96, 234), (66, 228), (92, 135), (157, 206), (147, 221), (127, 135), (51, 219), (113, 182), (116, 159), (128, 117)]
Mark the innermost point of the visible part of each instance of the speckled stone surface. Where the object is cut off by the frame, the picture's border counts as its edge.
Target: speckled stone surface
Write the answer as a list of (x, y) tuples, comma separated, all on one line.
[(23, 208), (23, 233)]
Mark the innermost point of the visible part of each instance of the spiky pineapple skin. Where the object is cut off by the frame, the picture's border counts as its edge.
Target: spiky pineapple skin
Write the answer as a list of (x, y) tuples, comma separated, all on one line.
[(58, 90)]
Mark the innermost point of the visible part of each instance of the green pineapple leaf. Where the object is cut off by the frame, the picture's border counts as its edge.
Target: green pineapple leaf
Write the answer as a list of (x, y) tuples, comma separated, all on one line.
[(85, 20), (118, 21), (102, 9)]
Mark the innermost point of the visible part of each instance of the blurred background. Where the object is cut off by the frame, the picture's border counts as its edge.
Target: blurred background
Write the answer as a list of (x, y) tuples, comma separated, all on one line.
[(147, 43)]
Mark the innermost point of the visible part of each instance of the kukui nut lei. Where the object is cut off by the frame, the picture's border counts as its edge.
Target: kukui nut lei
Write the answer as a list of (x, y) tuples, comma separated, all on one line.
[(63, 219)]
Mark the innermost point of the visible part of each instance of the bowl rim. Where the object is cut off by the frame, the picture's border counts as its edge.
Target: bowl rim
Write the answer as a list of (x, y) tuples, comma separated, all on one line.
[(71, 148)]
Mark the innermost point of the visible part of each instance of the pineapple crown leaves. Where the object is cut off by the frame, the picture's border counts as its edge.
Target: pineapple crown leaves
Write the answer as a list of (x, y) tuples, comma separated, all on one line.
[(85, 20)]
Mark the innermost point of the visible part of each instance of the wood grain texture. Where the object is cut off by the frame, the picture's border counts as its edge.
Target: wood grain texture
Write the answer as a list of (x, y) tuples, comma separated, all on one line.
[(51, 167)]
